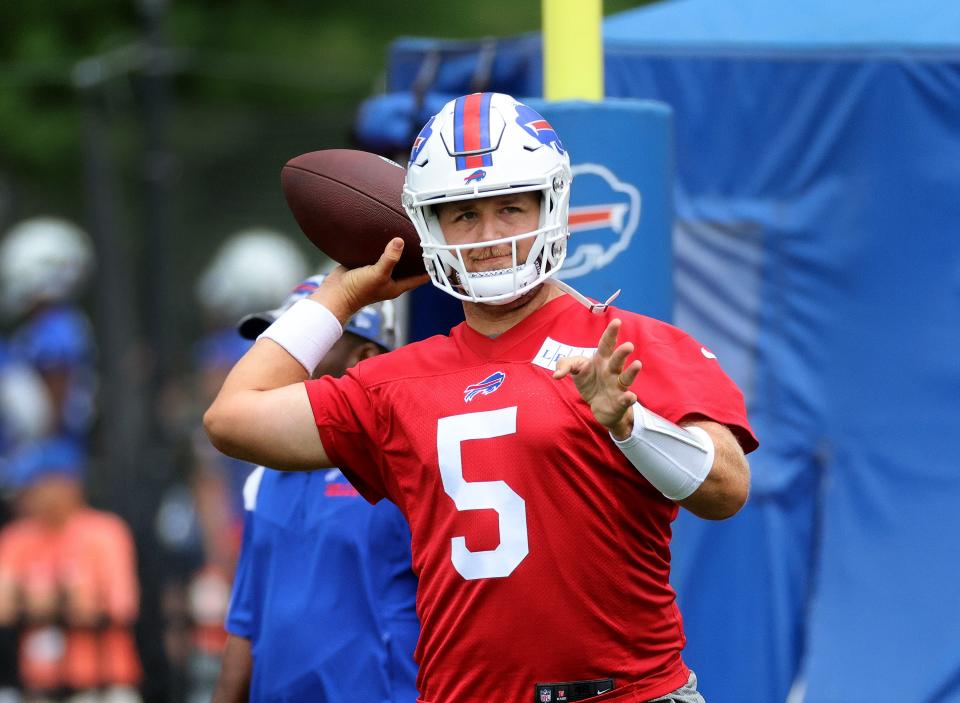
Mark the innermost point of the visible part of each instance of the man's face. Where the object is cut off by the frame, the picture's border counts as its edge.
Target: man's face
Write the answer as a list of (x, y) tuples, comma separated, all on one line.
[(487, 219), (51, 499), (348, 351)]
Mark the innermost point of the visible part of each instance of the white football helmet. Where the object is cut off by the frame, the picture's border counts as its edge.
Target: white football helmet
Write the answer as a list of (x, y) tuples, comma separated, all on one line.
[(43, 259), (252, 270), (479, 146)]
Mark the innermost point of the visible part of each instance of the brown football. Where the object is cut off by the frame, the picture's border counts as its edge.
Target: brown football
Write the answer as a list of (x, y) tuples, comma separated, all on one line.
[(347, 202)]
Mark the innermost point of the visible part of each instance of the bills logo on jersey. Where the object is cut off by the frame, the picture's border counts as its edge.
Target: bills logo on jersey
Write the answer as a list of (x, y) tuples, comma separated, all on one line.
[(341, 490), (338, 486), (604, 214), (421, 140), (476, 176), (537, 127), (487, 386), (546, 695)]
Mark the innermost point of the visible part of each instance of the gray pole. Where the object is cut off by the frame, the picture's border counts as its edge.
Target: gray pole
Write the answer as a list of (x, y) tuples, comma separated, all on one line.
[(121, 400), (157, 172)]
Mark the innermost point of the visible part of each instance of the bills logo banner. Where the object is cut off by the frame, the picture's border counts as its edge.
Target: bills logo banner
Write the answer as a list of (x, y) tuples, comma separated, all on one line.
[(485, 387), (604, 215)]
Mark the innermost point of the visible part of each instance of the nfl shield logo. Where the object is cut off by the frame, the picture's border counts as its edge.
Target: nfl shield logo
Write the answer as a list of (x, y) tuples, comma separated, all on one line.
[(546, 695)]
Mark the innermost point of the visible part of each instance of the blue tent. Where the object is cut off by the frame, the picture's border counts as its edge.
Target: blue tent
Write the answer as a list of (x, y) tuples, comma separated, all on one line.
[(817, 251)]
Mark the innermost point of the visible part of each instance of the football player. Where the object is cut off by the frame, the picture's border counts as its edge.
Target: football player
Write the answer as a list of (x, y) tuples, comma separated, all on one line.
[(539, 488), (44, 264), (295, 633), (251, 270)]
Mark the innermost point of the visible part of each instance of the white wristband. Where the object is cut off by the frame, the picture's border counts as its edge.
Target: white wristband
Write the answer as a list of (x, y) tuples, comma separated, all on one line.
[(676, 460), (307, 331)]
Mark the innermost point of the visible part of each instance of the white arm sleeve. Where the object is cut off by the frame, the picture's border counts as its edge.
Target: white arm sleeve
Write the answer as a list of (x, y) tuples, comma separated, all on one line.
[(674, 459)]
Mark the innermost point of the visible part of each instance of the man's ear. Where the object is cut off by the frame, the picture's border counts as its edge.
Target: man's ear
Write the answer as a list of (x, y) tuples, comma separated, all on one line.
[(364, 351)]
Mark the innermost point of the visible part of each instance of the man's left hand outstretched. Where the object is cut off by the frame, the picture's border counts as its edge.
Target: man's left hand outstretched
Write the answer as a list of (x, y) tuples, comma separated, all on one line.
[(604, 381)]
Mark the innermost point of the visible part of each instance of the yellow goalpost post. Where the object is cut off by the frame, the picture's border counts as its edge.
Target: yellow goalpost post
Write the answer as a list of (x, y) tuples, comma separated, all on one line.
[(572, 49)]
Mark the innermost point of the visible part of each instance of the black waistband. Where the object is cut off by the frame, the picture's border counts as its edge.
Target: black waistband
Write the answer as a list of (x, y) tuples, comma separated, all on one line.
[(570, 691)]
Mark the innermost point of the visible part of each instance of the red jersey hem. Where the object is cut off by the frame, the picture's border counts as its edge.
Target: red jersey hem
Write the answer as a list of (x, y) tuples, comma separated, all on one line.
[(641, 692)]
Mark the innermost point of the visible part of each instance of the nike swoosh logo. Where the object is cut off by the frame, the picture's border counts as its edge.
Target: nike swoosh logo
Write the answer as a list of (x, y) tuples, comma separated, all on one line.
[(600, 693)]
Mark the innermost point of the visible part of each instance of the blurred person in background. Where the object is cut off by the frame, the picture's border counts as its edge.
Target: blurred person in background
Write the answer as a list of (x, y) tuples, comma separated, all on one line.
[(47, 375), (321, 573), (251, 270), (26, 409), (44, 263), (68, 585)]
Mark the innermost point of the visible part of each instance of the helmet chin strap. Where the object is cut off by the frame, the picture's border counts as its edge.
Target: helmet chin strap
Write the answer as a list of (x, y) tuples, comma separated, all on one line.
[(593, 307)]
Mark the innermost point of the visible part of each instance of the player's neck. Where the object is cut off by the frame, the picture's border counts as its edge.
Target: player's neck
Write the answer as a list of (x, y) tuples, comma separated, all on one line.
[(494, 320)]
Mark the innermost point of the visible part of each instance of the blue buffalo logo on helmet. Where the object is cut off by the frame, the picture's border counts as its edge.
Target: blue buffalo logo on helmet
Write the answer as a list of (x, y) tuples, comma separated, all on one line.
[(536, 126), (604, 215), (421, 139), (476, 176), (485, 387)]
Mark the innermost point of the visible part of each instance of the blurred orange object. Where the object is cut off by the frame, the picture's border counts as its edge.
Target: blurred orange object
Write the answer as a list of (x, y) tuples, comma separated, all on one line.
[(76, 587)]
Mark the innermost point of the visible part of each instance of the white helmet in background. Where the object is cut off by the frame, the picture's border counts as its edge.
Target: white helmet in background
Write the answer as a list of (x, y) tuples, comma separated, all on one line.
[(252, 270), (479, 146), (43, 259)]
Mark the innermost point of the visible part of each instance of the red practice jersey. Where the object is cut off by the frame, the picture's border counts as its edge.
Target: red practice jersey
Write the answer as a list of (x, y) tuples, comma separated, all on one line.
[(543, 555)]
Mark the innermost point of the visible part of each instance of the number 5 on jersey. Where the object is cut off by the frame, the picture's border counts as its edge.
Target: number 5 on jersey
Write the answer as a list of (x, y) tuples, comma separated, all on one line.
[(482, 495)]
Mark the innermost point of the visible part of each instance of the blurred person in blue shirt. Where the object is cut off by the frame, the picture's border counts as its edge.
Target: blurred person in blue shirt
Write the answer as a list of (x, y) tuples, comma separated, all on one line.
[(251, 270), (322, 607), (26, 411), (44, 262)]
